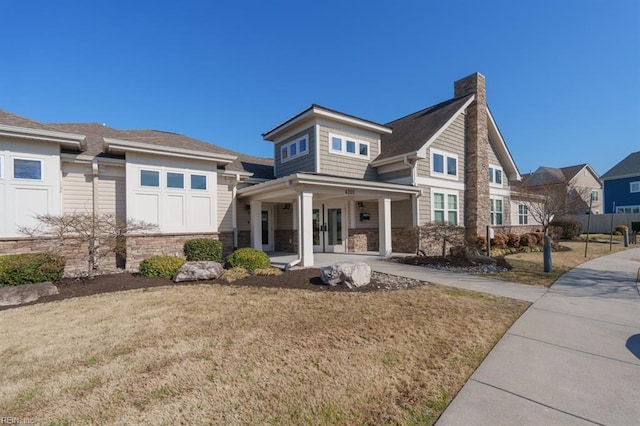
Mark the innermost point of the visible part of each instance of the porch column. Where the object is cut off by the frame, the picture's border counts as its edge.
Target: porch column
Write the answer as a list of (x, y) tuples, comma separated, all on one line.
[(384, 222), (305, 228), (256, 224), (415, 210)]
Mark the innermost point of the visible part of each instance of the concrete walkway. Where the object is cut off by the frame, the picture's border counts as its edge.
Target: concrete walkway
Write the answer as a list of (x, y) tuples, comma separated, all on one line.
[(573, 358)]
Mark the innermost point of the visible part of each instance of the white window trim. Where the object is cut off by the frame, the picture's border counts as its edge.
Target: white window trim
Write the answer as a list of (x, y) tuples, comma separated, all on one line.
[(621, 209), (521, 215), (446, 204), (13, 171), (595, 195), (491, 218), (632, 184), (343, 151), (298, 153), (206, 182), (149, 169), (492, 180), (445, 155), (166, 180)]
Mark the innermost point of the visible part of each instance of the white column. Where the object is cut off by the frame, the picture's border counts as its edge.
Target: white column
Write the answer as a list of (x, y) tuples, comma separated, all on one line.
[(305, 228), (384, 222), (256, 224), (415, 210)]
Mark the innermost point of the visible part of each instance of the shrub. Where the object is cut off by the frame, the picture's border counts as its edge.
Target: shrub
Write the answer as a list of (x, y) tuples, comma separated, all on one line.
[(234, 274), (160, 266), (499, 241), (203, 249), (622, 229), (16, 269), (479, 242), (528, 240), (513, 240), (248, 258), (570, 229)]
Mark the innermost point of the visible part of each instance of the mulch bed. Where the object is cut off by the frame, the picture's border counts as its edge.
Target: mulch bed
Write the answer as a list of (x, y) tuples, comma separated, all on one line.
[(303, 279), (449, 261)]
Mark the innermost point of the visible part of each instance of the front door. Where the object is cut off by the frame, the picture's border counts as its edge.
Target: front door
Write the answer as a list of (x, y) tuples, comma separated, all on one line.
[(328, 228), (267, 230)]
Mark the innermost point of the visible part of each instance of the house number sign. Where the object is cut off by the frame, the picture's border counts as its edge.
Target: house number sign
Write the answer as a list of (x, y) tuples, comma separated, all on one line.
[(350, 191)]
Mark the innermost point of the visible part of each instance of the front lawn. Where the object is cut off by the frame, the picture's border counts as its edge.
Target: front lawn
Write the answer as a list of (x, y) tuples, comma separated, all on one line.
[(208, 353)]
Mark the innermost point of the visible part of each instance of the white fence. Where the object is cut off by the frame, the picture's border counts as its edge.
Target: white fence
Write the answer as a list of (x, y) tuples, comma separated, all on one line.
[(601, 223)]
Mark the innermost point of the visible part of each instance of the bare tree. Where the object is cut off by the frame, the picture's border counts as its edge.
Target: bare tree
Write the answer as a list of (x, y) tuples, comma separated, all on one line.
[(104, 234), (441, 233)]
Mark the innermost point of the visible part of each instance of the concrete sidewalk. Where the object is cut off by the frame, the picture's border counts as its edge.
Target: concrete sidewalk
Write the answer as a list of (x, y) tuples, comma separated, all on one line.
[(572, 358)]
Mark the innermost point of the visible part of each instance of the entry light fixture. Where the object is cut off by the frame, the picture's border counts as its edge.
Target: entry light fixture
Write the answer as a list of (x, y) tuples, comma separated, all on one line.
[(360, 205), (286, 207), (247, 207)]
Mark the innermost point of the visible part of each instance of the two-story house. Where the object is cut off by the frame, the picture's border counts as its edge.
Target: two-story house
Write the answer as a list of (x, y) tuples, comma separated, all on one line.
[(622, 186), (337, 183)]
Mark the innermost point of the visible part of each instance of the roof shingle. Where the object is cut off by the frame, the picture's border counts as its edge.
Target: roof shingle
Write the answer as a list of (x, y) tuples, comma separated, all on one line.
[(628, 167)]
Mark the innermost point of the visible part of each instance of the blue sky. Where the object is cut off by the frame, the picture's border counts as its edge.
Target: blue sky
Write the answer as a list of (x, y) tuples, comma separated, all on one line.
[(563, 77)]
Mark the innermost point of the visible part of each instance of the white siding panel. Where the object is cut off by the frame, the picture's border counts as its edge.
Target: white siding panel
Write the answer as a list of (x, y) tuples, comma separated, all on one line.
[(148, 208), (175, 211), (200, 211), (28, 203)]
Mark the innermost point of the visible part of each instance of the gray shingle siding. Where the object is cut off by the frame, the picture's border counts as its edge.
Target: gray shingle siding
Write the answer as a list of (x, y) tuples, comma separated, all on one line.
[(304, 163), (450, 141), (346, 165)]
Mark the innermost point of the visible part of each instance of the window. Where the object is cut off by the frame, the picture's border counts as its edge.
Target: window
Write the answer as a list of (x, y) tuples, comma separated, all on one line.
[(198, 182), (27, 169), (293, 149), (445, 208), (150, 178), (523, 214), (496, 211), (595, 195), (175, 180), (350, 147), (635, 186), (495, 176), (628, 209), (444, 164)]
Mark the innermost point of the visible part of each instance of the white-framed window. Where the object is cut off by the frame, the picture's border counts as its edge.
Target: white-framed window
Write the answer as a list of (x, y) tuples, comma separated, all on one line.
[(444, 207), (294, 149), (495, 176), (634, 187), (595, 195), (344, 145), (496, 211), (175, 180), (523, 214), (628, 209), (27, 168), (150, 178), (198, 182), (444, 164)]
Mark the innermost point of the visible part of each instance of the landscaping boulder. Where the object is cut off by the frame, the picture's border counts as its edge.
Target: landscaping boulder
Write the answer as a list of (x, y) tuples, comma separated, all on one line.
[(472, 254), (200, 270), (351, 274), (25, 293)]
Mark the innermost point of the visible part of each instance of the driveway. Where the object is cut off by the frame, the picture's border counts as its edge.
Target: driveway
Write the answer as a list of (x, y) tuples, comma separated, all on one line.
[(573, 358)]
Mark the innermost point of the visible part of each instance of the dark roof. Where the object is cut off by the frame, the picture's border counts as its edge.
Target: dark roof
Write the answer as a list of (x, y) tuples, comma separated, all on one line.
[(11, 119), (411, 132), (629, 166), (570, 172)]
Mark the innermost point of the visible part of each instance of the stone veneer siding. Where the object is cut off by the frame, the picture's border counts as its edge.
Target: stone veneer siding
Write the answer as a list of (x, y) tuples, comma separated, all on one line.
[(368, 239), (476, 201), (141, 246), (286, 240)]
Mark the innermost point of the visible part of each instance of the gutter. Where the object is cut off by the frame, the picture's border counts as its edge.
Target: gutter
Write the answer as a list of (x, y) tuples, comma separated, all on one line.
[(414, 169)]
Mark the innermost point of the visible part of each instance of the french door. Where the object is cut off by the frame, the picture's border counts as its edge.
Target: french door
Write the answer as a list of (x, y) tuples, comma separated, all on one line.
[(329, 228)]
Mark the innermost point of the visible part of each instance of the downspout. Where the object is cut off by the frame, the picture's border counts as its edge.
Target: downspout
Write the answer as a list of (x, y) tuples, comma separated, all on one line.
[(299, 207), (234, 209), (95, 171)]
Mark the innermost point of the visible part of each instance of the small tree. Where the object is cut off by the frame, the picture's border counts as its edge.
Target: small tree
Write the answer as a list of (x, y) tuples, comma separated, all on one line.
[(103, 233), (441, 233)]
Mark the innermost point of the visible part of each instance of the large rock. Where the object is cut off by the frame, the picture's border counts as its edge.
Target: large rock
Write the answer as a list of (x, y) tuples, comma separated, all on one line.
[(25, 293), (351, 274), (202, 270)]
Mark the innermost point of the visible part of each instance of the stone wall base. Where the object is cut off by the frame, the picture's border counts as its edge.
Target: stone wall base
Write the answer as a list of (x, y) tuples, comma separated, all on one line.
[(516, 229), (142, 246), (286, 240)]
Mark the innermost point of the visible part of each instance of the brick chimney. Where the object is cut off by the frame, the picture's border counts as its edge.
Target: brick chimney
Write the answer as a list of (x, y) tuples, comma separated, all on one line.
[(476, 196)]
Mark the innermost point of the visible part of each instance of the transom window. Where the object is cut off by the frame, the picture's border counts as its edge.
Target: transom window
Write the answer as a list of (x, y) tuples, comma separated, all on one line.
[(150, 178), (523, 214), (496, 211), (445, 208), (348, 146), (495, 176), (199, 182), (444, 164), (294, 149), (635, 186), (27, 169), (175, 180)]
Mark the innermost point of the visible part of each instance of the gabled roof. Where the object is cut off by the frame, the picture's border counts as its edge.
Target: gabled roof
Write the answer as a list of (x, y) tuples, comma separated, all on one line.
[(410, 133), (628, 167), (553, 175)]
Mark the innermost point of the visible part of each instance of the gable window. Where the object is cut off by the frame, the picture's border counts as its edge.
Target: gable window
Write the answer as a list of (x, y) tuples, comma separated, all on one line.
[(175, 180), (495, 176), (635, 187), (496, 211), (348, 146), (199, 182), (27, 169), (595, 195), (150, 178), (523, 214), (445, 208), (444, 164), (294, 149)]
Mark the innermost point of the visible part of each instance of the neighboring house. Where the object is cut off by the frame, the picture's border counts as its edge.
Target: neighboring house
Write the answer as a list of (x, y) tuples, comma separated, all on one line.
[(580, 183), (622, 186), (337, 183)]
